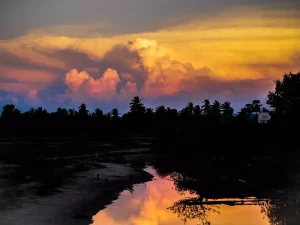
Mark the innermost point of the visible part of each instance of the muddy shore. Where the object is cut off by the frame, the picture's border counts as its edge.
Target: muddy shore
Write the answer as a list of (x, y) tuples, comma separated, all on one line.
[(75, 203)]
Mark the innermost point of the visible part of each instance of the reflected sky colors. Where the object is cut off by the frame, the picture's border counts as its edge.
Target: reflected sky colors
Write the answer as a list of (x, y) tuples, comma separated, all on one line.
[(148, 206)]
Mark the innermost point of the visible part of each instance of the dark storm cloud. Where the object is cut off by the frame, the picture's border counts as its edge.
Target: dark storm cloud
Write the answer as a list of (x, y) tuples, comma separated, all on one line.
[(73, 59), (118, 58), (18, 17), (124, 61)]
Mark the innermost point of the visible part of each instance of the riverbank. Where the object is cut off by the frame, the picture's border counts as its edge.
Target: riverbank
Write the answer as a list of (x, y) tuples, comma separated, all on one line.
[(77, 201)]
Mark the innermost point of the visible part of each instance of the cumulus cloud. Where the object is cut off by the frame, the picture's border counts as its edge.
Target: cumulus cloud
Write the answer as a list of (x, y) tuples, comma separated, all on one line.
[(75, 79), (227, 57), (82, 86), (164, 79)]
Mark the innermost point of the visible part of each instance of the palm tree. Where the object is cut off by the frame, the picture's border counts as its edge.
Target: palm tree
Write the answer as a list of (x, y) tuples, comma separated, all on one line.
[(136, 105), (226, 109), (206, 107), (190, 108), (216, 108), (98, 113), (197, 111)]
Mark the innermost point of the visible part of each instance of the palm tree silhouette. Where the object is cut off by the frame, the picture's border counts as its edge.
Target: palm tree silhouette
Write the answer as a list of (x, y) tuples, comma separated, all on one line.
[(197, 110), (206, 107), (136, 105), (226, 109), (216, 108)]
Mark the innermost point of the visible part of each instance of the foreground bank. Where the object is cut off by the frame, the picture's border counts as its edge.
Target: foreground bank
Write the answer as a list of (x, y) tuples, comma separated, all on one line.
[(78, 201)]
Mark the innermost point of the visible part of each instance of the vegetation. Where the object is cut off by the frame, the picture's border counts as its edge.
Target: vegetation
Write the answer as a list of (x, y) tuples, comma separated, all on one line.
[(211, 151), (237, 158), (209, 121)]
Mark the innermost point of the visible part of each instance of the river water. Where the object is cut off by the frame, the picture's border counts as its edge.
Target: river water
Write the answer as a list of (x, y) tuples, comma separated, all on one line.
[(148, 204)]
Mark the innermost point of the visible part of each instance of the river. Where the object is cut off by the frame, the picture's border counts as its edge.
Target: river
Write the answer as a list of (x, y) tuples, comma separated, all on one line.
[(148, 204)]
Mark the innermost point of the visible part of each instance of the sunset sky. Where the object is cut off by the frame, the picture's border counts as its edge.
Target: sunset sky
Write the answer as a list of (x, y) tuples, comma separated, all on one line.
[(104, 52)]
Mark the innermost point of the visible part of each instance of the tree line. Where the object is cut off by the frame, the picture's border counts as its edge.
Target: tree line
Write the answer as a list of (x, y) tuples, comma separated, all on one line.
[(138, 117), (284, 101)]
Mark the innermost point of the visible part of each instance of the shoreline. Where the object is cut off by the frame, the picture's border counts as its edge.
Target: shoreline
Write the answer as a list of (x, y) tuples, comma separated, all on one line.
[(78, 201)]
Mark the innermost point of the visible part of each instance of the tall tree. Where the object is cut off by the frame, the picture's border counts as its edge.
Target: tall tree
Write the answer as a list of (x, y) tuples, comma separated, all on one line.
[(190, 108), (285, 99), (226, 109), (256, 106), (160, 113), (187, 112), (206, 107), (83, 112), (216, 108), (197, 111), (97, 114), (10, 114), (136, 106)]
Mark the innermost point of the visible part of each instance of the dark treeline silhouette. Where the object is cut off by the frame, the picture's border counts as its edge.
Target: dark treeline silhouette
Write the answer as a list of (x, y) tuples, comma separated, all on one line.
[(239, 158), (212, 125)]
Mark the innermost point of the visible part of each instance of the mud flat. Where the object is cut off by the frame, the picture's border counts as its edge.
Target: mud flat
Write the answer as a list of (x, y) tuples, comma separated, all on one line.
[(75, 203)]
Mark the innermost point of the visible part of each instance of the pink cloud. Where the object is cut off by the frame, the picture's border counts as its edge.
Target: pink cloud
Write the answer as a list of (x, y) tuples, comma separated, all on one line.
[(143, 68), (129, 90), (75, 79), (82, 85), (106, 85)]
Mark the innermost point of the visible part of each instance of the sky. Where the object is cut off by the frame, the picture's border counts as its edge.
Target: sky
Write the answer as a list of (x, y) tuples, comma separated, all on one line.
[(62, 53)]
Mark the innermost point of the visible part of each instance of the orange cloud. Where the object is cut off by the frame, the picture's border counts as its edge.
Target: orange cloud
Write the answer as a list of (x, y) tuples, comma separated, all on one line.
[(232, 54), (105, 88), (75, 79)]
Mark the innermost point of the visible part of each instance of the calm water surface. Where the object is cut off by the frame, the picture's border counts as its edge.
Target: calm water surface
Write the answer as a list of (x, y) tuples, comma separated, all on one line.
[(148, 205)]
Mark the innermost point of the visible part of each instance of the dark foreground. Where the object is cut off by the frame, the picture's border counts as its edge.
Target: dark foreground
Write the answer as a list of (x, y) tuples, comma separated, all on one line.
[(70, 188), (53, 185)]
